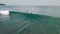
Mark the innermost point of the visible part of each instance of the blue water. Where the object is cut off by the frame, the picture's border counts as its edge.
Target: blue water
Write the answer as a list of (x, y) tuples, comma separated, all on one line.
[(44, 10)]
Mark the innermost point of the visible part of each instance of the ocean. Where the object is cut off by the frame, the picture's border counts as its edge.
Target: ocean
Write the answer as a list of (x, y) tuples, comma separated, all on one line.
[(42, 20), (42, 10)]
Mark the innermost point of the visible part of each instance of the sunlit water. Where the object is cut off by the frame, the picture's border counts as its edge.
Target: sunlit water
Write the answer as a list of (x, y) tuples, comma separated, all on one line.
[(4, 17)]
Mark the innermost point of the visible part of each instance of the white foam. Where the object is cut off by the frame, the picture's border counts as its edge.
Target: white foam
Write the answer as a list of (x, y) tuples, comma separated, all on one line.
[(4, 12)]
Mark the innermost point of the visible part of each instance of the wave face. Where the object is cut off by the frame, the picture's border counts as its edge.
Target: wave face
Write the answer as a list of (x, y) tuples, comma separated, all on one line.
[(25, 23)]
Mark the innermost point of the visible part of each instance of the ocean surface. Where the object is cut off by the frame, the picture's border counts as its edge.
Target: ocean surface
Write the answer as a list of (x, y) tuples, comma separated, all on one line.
[(42, 10), (21, 21), (25, 23)]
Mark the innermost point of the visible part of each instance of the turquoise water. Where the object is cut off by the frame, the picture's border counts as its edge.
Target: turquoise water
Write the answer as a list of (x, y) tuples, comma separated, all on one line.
[(21, 22), (25, 23)]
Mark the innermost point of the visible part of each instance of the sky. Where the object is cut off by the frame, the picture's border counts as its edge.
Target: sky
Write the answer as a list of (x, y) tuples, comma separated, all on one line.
[(31, 2)]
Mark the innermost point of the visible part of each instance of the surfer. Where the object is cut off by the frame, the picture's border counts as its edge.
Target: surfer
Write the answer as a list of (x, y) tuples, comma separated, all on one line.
[(29, 12)]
